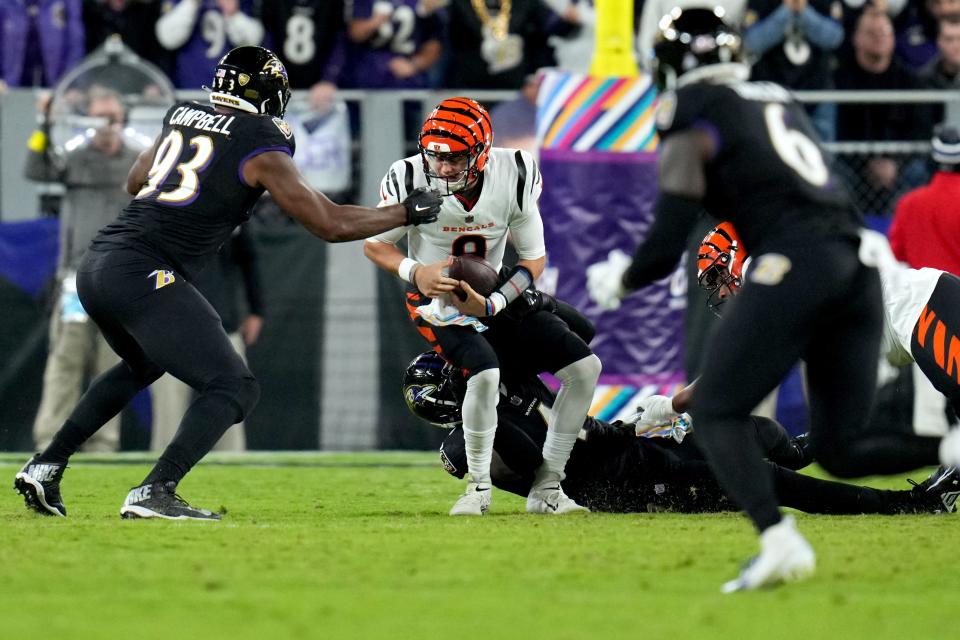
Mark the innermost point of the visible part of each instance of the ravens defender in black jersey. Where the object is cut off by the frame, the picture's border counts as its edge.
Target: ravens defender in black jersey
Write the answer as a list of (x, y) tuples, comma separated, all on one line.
[(745, 152), (192, 188), (611, 469)]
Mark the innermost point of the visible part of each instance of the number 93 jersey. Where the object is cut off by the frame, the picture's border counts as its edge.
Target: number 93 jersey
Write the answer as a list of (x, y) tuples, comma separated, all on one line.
[(768, 175), (195, 194), (507, 204)]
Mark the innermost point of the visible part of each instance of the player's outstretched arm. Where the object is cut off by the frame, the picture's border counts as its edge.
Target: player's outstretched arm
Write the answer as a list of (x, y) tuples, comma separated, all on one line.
[(276, 172)]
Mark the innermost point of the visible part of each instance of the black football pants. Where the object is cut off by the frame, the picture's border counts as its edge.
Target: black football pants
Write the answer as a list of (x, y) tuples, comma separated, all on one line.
[(813, 300), (157, 321)]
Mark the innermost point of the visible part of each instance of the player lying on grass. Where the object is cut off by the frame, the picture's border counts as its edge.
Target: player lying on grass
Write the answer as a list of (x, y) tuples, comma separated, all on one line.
[(613, 470), (919, 305)]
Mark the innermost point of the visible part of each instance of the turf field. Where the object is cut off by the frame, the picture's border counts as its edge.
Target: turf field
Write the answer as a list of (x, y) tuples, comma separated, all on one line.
[(360, 546)]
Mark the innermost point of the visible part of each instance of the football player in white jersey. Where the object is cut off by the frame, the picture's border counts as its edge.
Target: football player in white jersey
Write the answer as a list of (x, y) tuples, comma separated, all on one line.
[(921, 321), (492, 193)]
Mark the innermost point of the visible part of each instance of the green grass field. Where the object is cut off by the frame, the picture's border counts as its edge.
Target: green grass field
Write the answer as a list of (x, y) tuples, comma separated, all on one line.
[(360, 546)]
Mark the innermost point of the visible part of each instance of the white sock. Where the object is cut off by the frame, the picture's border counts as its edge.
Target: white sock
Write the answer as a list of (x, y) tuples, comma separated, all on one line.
[(479, 414), (577, 383)]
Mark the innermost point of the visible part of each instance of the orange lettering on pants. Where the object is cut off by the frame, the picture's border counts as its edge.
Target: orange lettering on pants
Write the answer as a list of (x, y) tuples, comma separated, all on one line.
[(939, 342), (953, 358), (923, 325)]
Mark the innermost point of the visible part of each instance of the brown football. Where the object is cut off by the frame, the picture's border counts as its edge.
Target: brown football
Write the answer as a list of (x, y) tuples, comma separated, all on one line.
[(476, 272)]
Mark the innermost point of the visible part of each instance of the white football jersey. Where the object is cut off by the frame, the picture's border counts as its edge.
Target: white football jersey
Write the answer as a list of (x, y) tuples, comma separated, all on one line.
[(507, 205), (906, 292)]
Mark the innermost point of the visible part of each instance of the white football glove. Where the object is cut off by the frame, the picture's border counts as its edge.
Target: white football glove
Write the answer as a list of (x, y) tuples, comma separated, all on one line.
[(652, 411), (605, 279)]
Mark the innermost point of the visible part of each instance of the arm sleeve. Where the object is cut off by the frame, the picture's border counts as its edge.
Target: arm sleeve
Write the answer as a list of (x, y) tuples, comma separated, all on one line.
[(767, 32), (526, 226), (174, 27), (657, 256), (823, 31)]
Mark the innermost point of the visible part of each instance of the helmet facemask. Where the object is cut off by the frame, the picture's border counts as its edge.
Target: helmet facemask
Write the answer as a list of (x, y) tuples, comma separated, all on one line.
[(452, 171), (719, 282)]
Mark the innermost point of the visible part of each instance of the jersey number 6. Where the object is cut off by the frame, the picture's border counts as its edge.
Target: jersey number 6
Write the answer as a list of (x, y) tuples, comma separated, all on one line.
[(799, 152)]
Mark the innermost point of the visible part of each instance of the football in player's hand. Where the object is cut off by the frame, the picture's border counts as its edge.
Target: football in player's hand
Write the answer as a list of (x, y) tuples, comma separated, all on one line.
[(476, 272)]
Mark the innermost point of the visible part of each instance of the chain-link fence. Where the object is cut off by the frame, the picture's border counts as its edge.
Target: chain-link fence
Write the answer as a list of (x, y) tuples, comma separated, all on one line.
[(877, 174)]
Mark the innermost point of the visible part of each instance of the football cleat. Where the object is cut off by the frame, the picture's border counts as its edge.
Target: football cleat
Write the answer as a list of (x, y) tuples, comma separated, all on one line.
[(160, 500), (552, 499), (39, 484), (474, 502), (940, 491), (785, 556)]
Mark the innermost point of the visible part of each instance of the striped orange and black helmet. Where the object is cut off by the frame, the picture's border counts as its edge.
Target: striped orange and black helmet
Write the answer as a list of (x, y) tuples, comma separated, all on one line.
[(720, 262), (455, 142)]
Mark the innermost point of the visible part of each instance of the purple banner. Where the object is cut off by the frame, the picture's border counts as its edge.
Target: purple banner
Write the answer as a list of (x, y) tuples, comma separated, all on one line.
[(594, 202)]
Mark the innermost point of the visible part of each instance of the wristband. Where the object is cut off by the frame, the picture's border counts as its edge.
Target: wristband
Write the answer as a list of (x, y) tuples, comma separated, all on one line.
[(495, 303), (406, 269)]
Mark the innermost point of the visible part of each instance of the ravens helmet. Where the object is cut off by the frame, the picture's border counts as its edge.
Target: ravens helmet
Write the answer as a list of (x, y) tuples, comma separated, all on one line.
[(720, 264), (433, 390), (458, 134), (251, 79), (692, 39)]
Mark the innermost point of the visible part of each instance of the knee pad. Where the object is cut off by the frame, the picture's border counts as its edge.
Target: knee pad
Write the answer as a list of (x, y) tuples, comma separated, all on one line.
[(585, 370), (243, 391), (486, 385)]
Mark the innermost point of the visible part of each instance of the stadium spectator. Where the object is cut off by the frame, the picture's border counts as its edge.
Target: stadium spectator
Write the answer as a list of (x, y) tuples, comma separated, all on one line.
[(309, 37), (516, 120), (795, 41), (42, 40), (621, 467), (723, 149), (134, 280), (925, 231), (234, 268), (496, 44), (494, 192), (652, 12), (916, 30), (392, 45), (943, 71), (92, 169), (877, 180), (200, 32), (133, 21)]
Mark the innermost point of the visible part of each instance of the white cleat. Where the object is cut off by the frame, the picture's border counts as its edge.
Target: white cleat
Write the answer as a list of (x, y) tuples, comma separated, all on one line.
[(785, 556), (950, 448), (474, 502), (552, 499)]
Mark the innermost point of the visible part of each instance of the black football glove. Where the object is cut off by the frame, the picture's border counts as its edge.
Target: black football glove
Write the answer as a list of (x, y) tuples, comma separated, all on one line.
[(531, 300), (422, 205)]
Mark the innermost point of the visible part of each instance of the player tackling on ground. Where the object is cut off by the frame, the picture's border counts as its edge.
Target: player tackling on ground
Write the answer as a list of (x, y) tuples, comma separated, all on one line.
[(192, 188), (746, 151), (493, 192)]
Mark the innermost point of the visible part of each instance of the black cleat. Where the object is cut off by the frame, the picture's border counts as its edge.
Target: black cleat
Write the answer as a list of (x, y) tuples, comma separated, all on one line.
[(39, 484), (160, 500), (940, 491)]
